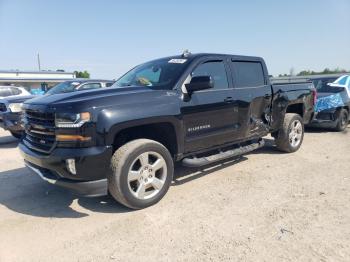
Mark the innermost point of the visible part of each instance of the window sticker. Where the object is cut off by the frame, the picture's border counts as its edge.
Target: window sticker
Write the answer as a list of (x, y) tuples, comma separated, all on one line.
[(177, 61)]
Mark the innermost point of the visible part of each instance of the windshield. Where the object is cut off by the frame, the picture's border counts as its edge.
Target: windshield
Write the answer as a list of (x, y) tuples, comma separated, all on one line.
[(64, 87), (159, 74)]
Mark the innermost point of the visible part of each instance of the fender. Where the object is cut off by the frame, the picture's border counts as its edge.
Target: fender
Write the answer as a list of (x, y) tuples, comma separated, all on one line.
[(284, 99), (112, 120)]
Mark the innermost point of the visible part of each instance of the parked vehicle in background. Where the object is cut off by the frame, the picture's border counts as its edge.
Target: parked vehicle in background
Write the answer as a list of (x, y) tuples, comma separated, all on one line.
[(11, 114), (343, 81), (10, 107), (79, 85), (197, 109), (333, 104), (6, 91)]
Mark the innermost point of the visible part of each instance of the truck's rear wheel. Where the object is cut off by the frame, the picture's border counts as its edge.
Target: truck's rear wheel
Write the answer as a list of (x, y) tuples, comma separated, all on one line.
[(142, 171), (291, 134), (343, 120)]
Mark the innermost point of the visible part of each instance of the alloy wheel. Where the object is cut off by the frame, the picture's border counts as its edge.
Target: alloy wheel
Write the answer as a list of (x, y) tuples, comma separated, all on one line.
[(147, 175)]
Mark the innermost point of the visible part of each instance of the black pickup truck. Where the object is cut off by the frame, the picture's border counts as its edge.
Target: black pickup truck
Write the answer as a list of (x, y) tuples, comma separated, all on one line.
[(196, 109)]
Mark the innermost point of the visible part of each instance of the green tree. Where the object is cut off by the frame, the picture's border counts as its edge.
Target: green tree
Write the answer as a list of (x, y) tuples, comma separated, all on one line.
[(82, 74), (326, 71)]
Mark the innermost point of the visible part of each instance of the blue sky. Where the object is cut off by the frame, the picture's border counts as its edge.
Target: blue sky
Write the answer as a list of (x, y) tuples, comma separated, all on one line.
[(108, 37)]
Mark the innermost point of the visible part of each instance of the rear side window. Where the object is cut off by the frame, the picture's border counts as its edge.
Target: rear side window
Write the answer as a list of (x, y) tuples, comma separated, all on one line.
[(15, 91), (215, 69), (248, 74), (321, 85), (90, 86), (5, 91)]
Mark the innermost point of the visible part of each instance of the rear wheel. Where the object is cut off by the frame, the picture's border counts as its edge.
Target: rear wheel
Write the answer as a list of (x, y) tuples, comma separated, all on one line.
[(343, 120), (17, 135), (290, 136), (142, 171)]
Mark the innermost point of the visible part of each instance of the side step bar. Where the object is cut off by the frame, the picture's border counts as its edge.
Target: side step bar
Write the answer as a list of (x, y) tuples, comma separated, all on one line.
[(198, 162)]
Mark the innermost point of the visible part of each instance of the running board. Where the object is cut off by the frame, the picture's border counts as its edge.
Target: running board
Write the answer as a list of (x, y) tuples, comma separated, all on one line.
[(198, 162)]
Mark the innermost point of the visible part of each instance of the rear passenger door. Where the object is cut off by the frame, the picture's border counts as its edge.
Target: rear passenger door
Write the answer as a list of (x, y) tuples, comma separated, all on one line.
[(253, 95), (209, 115)]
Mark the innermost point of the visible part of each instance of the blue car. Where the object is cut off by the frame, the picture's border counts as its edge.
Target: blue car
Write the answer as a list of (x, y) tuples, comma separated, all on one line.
[(333, 103)]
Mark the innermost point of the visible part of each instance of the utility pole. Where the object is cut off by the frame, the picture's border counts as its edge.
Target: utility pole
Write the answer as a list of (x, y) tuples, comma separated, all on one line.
[(39, 62)]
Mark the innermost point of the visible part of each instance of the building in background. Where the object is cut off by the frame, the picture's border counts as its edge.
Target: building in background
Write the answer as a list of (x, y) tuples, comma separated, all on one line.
[(34, 80)]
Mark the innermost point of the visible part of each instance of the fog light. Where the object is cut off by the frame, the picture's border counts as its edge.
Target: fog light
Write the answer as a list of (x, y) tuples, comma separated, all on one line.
[(71, 166)]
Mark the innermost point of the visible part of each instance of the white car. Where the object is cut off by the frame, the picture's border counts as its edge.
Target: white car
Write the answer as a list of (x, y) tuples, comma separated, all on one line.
[(343, 81), (6, 91)]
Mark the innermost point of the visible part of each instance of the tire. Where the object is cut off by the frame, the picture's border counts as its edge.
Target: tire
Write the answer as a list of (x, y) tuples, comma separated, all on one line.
[(17, 135), (292, 126), (343, 120), (142, 171)]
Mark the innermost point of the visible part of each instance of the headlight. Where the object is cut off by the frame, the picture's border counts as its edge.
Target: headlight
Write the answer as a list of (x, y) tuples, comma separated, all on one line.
[(72, 120), (15, 107)]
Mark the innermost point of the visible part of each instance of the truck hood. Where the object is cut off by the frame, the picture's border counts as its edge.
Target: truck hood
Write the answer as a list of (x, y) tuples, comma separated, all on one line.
[(85, 96)]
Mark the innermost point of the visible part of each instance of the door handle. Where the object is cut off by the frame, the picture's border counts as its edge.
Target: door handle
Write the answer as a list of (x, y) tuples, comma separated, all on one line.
[(229, 100)]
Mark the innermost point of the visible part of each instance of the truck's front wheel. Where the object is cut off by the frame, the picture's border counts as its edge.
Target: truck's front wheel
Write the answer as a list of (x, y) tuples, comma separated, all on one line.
[(142, 171), (291, 134)]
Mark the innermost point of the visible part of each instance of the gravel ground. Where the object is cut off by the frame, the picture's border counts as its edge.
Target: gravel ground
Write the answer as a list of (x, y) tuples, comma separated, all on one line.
[(266, 206)]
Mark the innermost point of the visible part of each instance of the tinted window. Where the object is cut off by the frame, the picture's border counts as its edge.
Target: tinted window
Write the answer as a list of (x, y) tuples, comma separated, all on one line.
[(321, 84), (215, 69), (248, 74), (5, 91), (15, 91), (90, 86), (109, 84)]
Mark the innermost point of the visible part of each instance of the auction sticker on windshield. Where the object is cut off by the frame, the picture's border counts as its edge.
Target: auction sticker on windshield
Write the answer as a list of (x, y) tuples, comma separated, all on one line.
[(177, 61)]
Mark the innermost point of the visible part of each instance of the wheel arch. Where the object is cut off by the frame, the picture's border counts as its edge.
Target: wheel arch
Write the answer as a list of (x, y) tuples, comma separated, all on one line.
[(162, 130)]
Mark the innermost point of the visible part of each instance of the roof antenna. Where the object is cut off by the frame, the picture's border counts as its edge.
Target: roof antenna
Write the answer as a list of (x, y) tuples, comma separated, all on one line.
[(186, 53)]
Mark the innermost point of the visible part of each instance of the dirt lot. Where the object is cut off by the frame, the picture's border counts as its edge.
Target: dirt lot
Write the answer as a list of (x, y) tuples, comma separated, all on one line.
[(267, 206)]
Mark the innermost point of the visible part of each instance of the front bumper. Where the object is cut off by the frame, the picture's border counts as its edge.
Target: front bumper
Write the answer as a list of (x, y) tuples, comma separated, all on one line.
[(11, 121), (82, 188), (92, 165)]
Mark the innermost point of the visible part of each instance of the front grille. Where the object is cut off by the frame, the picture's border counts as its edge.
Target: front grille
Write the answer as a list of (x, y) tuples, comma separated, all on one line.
[(39, 130), (2, 107)]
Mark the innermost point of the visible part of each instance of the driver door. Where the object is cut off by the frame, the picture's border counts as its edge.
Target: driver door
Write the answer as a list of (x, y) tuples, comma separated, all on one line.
[(210, 115)]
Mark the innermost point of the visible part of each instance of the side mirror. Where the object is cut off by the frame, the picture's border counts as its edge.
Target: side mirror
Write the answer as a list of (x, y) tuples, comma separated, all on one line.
[(199, 83)]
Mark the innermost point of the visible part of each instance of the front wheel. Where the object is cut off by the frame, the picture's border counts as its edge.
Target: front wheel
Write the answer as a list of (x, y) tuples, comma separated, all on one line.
[(142, 171), (291, 134)]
